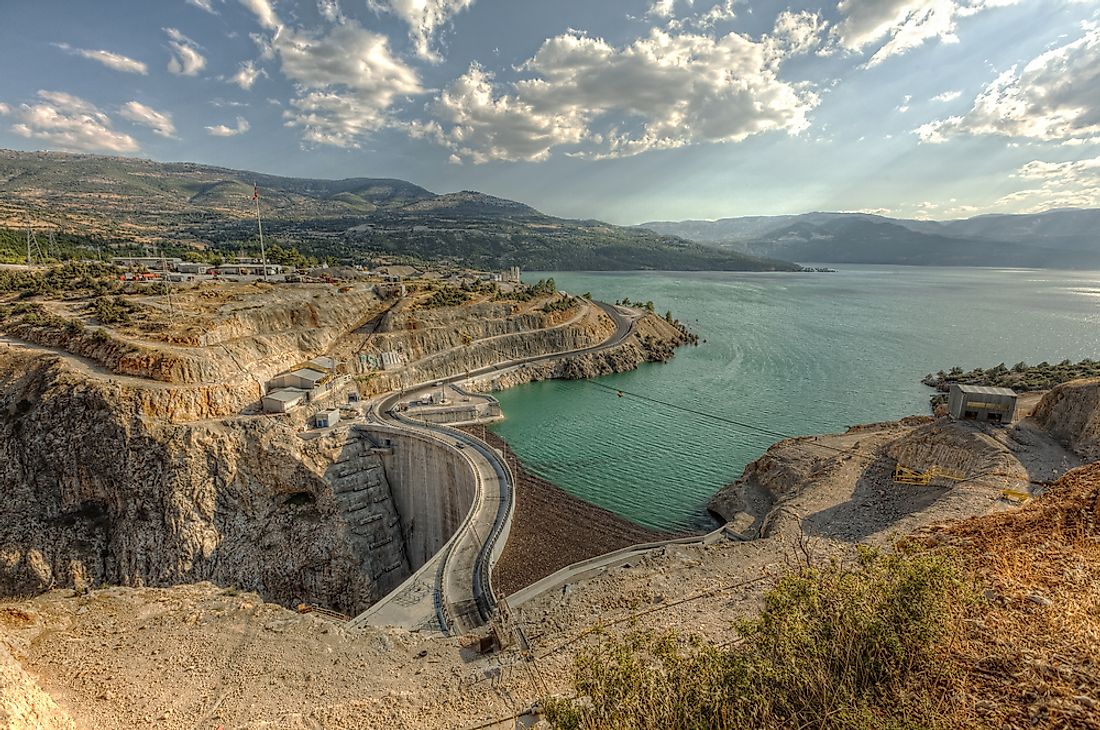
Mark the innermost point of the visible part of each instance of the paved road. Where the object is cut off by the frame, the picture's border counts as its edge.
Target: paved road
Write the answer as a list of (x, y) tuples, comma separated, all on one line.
[(453, 590)]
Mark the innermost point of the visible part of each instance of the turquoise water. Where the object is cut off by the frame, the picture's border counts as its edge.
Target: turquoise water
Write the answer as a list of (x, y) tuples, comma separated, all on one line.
[(792, 353)]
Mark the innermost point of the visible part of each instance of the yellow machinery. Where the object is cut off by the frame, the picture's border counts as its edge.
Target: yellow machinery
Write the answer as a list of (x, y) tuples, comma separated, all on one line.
[(906, 475)]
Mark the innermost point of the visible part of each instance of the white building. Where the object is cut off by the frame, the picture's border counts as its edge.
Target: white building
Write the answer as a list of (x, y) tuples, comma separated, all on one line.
[(326, 419), (284, 400), (304, 379)]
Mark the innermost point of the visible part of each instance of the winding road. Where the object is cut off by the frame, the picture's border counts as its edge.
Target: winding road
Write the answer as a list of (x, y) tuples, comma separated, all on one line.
[(453, 590)]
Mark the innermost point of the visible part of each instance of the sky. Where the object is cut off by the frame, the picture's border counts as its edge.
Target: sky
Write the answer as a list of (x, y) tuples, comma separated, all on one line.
[(622, 110)]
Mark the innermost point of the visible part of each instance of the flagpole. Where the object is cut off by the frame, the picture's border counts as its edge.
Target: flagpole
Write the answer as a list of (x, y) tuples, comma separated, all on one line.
[(260, 225)]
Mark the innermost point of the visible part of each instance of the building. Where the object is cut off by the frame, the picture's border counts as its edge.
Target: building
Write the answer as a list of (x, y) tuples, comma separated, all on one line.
[(193, 267), (391, 360), (304, 379), (511, 275), (981, 403), (244, 269), (326, 419), (284, 400), (323, 362)]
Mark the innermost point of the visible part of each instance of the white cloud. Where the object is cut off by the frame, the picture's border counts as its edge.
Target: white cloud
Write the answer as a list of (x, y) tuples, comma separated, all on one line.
[(798, 33), (1072, 184), (904, 106), (186, 59), (424, 18), (67, 122), (4, 109), (246, 75), (1055, 97), (947, 96), (264, 12), (347, 78), (903, 24), (159, 122), (330, 10), (221, 130), (660, 92), (207, 5), (111, 60)]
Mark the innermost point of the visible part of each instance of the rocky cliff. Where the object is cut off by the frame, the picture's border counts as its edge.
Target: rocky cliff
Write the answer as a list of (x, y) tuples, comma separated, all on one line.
[(93, 491)]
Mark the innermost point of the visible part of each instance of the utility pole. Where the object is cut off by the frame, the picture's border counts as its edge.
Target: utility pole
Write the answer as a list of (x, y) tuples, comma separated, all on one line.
[(260, 226)]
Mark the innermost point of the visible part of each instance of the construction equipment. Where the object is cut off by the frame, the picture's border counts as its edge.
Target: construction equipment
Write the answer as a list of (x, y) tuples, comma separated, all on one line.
[(907, 475)]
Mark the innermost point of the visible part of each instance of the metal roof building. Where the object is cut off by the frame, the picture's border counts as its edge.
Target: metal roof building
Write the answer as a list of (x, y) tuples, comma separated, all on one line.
[(283, 400), (981, 403)]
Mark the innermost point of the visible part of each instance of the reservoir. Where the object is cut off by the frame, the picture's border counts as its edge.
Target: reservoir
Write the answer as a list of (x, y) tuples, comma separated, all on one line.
[(789, 354)]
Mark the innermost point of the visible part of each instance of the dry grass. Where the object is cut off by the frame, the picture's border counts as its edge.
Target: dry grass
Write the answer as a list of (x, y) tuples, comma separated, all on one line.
[(1029, 655)]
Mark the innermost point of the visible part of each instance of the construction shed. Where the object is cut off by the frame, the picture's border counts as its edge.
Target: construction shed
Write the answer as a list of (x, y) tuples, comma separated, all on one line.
[(305, 379), (327, 419), (981, 403), (284, 400)]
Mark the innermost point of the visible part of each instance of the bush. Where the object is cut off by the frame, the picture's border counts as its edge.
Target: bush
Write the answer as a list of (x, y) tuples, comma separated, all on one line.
[(833, 648)]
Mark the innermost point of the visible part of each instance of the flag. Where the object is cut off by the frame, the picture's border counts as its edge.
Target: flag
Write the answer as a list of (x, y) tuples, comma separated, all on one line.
[(255, 192)]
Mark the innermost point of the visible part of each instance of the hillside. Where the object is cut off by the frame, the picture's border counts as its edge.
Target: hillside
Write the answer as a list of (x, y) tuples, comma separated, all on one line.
[(111, 200), (1054, 239)]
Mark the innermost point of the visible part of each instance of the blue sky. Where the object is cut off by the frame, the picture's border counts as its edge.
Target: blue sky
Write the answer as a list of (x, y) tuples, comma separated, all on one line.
[(624, 110)]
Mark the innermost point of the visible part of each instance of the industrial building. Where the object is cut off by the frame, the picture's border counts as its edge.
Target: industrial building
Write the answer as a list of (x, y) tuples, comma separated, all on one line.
[(304, 379), (326, 419), (981, 403), (284, 400)]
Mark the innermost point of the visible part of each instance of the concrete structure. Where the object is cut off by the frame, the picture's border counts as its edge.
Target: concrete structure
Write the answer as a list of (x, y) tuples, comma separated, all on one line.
[(248, 269), (511, 275), (391, 360), (981, 403), (283, 400), (327, 419), (304, 379), (193, 267), (323, 363)]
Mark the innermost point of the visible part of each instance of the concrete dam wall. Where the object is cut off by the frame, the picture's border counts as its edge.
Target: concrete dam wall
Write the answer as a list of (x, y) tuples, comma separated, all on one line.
[(433, 489)]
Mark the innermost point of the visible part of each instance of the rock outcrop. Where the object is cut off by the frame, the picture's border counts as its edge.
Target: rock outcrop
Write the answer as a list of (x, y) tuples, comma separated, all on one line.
[(1071, 413), (92, 491)]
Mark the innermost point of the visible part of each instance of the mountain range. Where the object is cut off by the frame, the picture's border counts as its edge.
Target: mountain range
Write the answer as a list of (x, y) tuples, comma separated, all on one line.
[(114, 200), (1062, 238)]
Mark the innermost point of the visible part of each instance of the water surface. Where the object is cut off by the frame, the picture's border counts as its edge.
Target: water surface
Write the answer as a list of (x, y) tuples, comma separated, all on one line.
[(790, 353)]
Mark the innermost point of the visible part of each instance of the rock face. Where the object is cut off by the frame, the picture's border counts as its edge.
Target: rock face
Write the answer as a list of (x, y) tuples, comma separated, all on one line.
[(23, 704), (1071, 413), (95, 492)]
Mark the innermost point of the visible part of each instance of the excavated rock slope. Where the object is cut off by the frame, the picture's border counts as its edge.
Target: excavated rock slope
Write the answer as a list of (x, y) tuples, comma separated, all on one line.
[(1071, 413), (92, 492)]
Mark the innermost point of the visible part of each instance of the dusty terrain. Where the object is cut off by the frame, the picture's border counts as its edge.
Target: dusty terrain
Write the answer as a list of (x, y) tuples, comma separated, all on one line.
[(195, 656)]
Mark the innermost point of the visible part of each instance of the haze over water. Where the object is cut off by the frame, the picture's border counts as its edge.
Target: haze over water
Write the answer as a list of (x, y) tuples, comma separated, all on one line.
[(792, 353)]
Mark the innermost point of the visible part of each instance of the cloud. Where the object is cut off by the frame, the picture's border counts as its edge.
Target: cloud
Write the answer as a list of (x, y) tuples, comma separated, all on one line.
[(424, 18), (904, 105), (4, 109), (221, 130), (798, 33), (246, 75), (1072, 184), (67, 122), (661, 91), (330, 10), (159, 122), (947, 96), (903, 24), (186, 59), (207, 5), (346, 77), (264, 12), (111, 60), (1055, 98)]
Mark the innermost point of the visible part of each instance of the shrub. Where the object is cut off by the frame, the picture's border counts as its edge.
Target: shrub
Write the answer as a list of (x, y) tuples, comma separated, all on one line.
[(833, 648)]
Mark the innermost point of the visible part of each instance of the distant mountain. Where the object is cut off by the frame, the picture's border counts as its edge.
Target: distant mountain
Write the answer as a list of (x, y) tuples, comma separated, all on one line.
[(117, 199), (1067, 238)]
